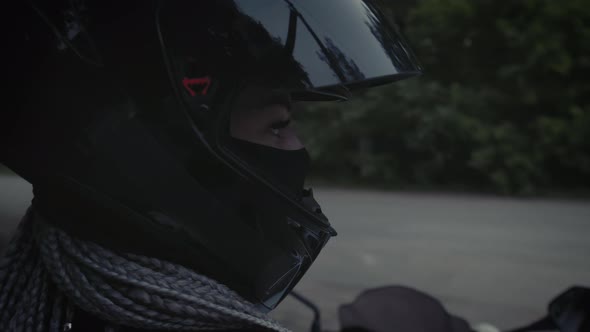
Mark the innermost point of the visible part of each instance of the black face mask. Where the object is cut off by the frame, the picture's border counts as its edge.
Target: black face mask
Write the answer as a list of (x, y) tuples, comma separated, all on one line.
[(288, 168)]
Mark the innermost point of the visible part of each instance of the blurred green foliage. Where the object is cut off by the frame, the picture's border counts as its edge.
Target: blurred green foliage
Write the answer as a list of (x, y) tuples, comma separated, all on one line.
[(503, 104)]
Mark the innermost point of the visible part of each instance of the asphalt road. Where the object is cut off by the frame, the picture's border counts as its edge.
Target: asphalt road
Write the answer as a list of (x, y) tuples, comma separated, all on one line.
[(488, 259)]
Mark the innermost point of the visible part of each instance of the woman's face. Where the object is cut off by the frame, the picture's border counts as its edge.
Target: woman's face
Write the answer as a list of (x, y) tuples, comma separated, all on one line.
[(264, 117)]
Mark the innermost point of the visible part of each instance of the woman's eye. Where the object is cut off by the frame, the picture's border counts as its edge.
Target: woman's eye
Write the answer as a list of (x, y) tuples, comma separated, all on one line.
[(277, 126)]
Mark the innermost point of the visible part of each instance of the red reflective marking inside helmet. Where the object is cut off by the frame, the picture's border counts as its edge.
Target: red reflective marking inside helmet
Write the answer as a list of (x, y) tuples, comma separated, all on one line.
[(191, 83)]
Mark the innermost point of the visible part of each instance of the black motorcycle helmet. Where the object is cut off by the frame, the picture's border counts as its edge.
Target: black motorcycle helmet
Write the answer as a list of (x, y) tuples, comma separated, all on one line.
[(120, 121)]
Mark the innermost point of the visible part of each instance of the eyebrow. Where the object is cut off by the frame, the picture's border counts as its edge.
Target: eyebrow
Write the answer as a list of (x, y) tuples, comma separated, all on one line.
[(281, 98), (281, 124)]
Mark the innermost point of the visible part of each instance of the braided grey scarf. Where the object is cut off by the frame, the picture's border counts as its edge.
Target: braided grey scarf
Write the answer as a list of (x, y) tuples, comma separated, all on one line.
[(46, 272)]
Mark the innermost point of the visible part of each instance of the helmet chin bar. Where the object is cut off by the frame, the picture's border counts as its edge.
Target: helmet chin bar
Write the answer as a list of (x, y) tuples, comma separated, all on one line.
[(293, 223), (302, 259)]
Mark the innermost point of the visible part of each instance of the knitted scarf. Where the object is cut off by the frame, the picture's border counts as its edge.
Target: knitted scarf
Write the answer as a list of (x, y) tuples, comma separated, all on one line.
[(46, 275)]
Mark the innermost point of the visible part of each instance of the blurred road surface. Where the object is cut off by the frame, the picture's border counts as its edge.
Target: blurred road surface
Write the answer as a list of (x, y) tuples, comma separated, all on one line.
[(488, 259)]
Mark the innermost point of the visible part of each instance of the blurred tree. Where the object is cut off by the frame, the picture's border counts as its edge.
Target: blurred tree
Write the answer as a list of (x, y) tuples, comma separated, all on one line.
[(503, 105)]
